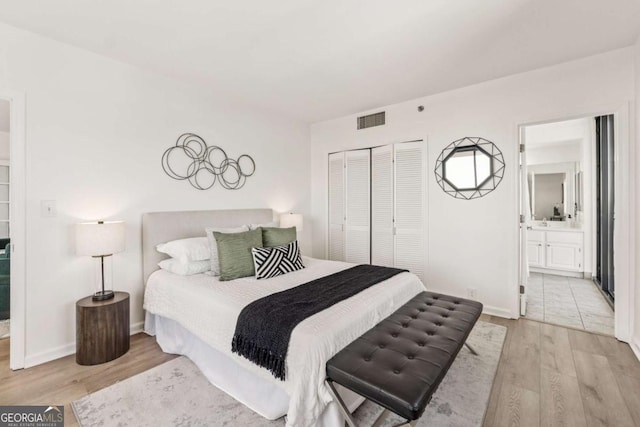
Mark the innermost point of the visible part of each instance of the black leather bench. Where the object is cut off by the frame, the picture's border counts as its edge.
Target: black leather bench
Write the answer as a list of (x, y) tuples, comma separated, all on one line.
[(401, 361)]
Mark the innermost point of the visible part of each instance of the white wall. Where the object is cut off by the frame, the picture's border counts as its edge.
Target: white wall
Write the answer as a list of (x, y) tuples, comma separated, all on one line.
[(4, 129), (4, 145), (473, 243), (96, 131), (556, 132), (636, 343), (562, 153)]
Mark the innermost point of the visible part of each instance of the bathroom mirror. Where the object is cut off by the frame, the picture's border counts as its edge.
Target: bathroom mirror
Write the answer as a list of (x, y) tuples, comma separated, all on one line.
[(549, 196), (554, 191), (469, 168)]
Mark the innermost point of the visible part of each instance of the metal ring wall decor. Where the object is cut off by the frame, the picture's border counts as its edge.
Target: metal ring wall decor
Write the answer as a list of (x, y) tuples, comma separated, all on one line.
[(202, 165), (469, 168)]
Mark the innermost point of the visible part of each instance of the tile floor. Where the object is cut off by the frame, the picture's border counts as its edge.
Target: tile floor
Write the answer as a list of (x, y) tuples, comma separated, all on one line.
[(568, 301)]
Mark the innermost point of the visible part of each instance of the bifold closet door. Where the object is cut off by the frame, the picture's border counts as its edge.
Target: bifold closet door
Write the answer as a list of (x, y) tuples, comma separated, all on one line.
[(358, 206), (382, 239), (336, 206), (409, 211)]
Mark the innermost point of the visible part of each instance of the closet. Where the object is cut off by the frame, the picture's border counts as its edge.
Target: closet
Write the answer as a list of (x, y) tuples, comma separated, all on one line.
[(377, 206)]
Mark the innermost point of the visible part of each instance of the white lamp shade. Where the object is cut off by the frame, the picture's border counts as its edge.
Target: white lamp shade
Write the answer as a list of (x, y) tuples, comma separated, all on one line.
[(291, 220), (100, 238)]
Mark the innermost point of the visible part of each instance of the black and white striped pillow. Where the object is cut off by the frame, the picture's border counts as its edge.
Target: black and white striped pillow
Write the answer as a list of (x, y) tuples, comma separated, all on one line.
[(272, 262)]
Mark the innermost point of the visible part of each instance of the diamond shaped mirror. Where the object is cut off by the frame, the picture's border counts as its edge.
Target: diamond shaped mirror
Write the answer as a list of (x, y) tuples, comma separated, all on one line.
[(470, 168), (467, 168)]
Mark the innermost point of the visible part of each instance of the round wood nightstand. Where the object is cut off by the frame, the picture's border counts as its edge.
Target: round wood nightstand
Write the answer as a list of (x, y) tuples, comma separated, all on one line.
[(102, 329)]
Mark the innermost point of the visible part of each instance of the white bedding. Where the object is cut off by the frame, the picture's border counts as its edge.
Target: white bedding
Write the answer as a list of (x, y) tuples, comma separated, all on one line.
[(209, 309)]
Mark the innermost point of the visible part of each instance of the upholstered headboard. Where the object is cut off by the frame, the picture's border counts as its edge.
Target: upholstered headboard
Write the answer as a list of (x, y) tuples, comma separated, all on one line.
[(160, 227)]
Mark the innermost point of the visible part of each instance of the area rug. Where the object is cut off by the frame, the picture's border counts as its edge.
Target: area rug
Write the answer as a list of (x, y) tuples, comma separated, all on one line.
[(177, 394)]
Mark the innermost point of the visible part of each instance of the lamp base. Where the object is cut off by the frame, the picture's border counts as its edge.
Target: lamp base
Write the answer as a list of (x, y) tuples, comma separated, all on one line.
[(103, 295)]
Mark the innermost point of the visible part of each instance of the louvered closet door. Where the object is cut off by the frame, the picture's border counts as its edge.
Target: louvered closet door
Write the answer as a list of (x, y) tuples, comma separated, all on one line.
[(382, 241), (410, 207), (336, 206), (358, 205)]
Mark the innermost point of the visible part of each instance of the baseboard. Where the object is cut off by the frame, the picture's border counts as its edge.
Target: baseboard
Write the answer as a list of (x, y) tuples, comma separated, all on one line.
[(564, 273), (635, 346), (49, 355), (136, 328), (495, 311), (66, 350)]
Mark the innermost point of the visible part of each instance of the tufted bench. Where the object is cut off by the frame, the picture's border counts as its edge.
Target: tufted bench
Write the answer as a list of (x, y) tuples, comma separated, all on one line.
[(401, 361)]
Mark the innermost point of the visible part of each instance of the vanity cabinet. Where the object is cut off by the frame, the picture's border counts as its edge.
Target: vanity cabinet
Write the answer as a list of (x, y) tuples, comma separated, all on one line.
[(556, 250), (563, 257), (535, 249)]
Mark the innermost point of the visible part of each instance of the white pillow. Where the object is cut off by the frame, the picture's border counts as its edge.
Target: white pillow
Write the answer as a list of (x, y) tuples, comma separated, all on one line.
[(186, 250), (266, 224), (213, 245), (174, 266)]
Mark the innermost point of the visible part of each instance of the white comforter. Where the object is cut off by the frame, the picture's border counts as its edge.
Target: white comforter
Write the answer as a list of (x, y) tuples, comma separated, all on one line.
[(210, 308)]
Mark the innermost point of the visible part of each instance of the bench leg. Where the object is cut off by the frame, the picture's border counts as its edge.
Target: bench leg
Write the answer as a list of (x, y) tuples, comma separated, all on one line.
[(341, 405), (475, 353), (381, 418), (349, 418)]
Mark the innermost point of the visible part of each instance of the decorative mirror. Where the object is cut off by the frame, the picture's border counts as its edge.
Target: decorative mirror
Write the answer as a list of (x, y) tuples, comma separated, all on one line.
[(470, 168)]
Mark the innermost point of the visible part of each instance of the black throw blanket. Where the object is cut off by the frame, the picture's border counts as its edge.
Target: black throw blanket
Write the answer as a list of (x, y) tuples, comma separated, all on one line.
[(264, 327)]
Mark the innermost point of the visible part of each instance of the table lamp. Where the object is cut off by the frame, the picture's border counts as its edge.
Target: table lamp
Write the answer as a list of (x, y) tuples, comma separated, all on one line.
[(99, 240), (291, 220)]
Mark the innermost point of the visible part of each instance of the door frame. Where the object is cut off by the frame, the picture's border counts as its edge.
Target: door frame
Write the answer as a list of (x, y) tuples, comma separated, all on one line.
[(523, 229), (624, 230), (17, 196)]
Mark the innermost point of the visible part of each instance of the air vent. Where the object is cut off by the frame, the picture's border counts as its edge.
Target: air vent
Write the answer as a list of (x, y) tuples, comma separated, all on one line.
[(371, 120)]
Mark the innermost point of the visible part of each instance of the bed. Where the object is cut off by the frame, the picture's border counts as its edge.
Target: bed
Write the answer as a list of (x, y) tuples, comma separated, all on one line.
[(196, 315)]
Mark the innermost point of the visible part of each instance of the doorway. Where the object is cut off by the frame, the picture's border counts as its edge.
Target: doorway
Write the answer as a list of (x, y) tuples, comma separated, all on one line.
[(14, 211), (567, 183), (5, 249)]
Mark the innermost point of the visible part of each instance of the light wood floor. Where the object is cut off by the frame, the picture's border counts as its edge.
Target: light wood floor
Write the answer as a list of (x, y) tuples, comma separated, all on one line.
[(547, 376), (62, 381), (553, 376)]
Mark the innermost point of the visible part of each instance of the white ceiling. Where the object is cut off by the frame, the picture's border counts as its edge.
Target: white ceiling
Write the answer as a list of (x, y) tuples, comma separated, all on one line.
[(4, 115), (315, 59)]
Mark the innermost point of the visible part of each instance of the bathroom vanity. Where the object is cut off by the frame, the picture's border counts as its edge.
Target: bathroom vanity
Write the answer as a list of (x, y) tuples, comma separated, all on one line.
[(556, 250)]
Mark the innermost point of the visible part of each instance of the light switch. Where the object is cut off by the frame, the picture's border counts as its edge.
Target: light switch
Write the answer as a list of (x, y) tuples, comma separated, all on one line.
[(48, 209)]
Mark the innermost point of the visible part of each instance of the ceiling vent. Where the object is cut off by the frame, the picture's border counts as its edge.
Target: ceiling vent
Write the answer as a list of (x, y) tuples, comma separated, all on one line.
[(376, 119)]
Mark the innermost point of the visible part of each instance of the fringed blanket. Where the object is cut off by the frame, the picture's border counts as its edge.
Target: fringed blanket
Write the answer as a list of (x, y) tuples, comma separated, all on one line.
[(264, 327)]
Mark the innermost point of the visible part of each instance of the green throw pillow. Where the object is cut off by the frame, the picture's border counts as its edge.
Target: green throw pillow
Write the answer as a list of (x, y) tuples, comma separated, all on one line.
[(273, 236), (234, 252)]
